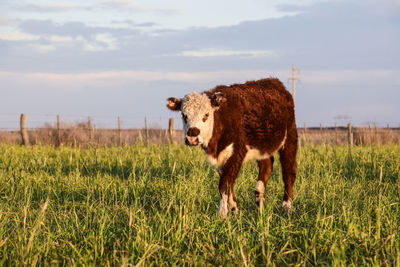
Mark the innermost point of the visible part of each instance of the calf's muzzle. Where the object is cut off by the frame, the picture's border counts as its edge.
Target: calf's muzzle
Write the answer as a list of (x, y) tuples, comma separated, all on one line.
[(192, 136)]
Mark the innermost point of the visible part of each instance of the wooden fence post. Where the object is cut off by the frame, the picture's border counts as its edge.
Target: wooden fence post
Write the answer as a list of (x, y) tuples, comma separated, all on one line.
[(58, 131), (171, 130), (24, 132), (90, 129), (350, 134), (119, 132), (320, 133), (140, 137), (305, 133), (146, 128), (336, 134)]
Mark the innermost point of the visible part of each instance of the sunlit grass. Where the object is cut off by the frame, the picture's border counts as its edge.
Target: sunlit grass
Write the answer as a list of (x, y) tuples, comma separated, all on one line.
[(159, 205)]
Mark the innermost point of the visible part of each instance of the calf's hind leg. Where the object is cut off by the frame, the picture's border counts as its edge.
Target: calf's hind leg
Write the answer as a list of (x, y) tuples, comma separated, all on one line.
[(265, 169), (289, 167)]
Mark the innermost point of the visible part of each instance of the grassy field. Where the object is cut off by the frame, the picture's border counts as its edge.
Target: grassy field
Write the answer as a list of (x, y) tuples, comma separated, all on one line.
[(158, 205)]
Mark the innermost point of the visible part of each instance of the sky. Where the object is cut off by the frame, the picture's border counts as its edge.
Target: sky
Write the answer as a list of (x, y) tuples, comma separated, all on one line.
[(111, 58)]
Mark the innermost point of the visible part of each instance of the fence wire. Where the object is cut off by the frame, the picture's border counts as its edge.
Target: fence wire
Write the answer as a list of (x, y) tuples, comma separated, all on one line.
[(106, 131)]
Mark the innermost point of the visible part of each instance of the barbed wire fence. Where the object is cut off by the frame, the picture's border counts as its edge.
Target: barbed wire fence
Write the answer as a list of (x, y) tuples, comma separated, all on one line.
[(84, 131)]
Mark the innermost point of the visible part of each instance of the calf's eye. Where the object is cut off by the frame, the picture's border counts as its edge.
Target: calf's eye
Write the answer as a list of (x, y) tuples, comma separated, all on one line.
[(205, 117)]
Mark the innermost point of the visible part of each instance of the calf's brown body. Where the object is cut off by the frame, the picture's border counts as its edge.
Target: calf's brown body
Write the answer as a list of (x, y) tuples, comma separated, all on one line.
[(252, 121)]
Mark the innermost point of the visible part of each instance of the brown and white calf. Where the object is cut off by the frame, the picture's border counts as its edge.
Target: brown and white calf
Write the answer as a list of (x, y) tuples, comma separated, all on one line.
[(242, 122)]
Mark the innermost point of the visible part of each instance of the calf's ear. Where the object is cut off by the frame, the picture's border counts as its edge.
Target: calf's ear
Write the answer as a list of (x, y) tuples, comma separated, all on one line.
[(174, 104), (217, 99)]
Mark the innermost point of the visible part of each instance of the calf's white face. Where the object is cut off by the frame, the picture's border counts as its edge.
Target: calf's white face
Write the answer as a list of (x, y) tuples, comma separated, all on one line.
[(197, 116)]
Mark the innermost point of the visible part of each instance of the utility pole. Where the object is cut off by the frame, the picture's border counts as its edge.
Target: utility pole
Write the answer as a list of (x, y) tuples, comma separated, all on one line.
[(294, 82)]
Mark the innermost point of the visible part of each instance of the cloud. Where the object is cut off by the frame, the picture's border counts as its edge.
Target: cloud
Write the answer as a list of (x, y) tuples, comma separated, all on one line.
[(72, 29), (41, 48), (130, 23), (12, 35), (317, 39), (5, 22), (295, 9), (225, 53), (69, 35), (130, 5), (61, 39), (49, 27), (307, 78), (52, 7), (116, 77), (100, 42)]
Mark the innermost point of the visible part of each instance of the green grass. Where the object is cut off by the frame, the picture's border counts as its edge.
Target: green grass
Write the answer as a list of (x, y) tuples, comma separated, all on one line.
[(159, 206)]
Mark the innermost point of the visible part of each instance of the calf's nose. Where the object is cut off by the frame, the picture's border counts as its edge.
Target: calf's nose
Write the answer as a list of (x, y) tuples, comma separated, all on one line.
[(193, 131), (192, 136)]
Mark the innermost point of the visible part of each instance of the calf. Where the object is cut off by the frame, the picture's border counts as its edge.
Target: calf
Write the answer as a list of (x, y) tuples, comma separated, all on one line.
[(242, 122)]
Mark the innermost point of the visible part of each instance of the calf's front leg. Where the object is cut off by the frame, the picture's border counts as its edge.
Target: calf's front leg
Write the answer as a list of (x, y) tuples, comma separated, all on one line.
[(227, 180)]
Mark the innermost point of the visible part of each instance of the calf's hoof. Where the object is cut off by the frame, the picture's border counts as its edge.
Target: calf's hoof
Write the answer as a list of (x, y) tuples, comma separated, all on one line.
[(223, 206), (233, 204), (259, 201), (287, 205), (223, 212), (259, 193)]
